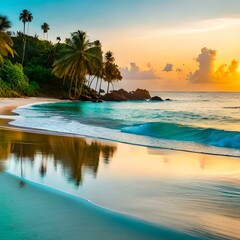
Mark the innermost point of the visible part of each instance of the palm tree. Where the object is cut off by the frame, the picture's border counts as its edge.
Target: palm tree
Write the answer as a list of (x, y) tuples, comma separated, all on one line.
[(30, 18), (45, 28), (111, 71), (25, 16), (4, 24), (58, 39), (76, 60), (5, 39)]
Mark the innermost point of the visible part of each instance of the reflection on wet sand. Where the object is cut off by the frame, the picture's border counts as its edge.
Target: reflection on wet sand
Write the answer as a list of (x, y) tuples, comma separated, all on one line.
[(73, 154), (193, 193)]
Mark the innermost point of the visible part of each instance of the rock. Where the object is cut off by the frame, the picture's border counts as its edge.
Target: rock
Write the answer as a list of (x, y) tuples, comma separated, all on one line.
[(122, 92), (123, 95), (113, 96), (168, 99), (139, 94), (156, 98)]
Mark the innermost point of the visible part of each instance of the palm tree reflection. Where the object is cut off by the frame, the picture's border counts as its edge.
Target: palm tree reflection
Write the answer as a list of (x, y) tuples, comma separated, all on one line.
[(75, 155)]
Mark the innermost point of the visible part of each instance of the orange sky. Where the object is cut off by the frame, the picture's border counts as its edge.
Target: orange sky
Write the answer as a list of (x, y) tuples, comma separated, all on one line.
[(149, 36)]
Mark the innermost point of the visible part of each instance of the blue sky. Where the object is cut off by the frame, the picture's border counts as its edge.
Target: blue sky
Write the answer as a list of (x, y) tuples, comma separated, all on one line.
[(143, 32), (64, 15)]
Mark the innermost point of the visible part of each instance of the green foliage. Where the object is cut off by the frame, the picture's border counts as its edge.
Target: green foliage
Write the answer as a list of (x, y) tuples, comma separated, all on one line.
[(5, 90), (38, 73), (33, 89), (13, 77), (79, 58)]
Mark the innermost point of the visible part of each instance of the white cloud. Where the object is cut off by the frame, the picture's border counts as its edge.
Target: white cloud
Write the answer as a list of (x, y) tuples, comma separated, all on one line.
[(135, 73)]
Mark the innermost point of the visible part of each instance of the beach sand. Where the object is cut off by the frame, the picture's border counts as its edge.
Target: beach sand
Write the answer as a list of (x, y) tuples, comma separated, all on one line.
[(31, 211)]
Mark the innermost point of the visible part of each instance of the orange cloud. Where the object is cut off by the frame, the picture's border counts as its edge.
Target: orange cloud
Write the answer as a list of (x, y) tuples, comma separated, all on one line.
[(206, 72)]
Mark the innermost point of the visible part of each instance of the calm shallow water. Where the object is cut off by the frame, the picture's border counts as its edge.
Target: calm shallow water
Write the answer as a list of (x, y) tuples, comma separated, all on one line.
[(193, 193)]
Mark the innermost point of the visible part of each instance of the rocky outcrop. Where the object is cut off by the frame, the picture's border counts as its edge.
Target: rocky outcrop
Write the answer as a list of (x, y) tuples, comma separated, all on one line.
[(156, 98), (140, 94), (123, 95), (114, 97)]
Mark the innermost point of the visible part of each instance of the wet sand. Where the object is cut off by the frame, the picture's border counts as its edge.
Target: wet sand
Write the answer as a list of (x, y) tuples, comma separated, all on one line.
[(32, 211)]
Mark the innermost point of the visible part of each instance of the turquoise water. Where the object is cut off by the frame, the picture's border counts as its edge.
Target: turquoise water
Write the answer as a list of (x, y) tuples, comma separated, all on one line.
[(196, 122)]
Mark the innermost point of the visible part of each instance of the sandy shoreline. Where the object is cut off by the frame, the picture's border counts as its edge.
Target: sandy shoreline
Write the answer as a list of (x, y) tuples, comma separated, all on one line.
[(9, 104)]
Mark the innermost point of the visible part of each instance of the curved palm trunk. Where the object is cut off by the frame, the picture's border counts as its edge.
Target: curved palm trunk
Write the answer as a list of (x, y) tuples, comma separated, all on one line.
[(92, 81), (96, 84)]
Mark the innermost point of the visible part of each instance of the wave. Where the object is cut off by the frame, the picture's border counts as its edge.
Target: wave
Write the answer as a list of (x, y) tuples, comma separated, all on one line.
[(177, 132)]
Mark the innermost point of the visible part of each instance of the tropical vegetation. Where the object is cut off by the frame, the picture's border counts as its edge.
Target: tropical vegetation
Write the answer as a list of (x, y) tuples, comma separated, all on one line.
[(74, 69)]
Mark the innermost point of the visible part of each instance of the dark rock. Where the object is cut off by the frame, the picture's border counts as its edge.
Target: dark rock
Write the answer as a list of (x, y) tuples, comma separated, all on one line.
[(123, 95), (113, 96), (122, 92), (156, 98), (168, 99), (139, 94)]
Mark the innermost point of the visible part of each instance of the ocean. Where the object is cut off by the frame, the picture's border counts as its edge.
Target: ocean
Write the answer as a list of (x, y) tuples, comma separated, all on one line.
[(195, 122), (184, 175)]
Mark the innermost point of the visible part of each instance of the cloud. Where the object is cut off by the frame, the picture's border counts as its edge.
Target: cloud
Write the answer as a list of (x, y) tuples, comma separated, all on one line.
[(206, 72), (168, 68), (135, 73)]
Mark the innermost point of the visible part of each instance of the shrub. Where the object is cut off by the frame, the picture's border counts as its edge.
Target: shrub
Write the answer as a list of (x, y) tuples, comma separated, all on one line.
[(13, 76), (38, 73), (33, 89)]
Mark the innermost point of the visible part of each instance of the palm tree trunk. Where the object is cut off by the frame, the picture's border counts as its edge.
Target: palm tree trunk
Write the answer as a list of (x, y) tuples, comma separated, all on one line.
[(24, 42), (100, 88), (108, 87), (80, 90), (112, 86), (75, 89), (24, 49), (92, 81), (70, 89), (96, 84)]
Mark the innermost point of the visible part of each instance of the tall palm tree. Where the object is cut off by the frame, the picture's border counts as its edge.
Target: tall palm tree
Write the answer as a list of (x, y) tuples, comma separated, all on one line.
[(45, 27), (25, 16), (5, 39), (30, 18), (76, 60)]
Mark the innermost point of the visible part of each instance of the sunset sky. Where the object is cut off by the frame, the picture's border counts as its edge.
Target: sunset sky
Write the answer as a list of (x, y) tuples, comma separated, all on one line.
[(176, 45)]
